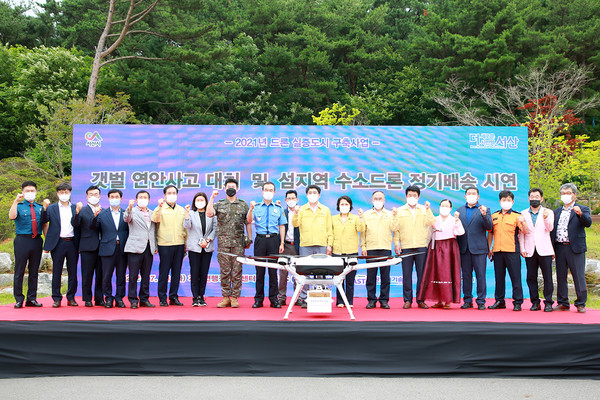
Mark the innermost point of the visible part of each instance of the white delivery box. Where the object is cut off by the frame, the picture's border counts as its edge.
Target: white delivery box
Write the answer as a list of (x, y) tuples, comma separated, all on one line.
[(319, 301)]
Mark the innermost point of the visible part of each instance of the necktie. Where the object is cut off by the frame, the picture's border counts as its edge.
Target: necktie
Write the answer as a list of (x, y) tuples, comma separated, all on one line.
[(33, 221)]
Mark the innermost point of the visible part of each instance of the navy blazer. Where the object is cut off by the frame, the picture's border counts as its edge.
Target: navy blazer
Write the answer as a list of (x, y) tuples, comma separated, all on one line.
[(53, 234), (286, 212), (475, 239), (108, 233), (575, 228), (88, 238)]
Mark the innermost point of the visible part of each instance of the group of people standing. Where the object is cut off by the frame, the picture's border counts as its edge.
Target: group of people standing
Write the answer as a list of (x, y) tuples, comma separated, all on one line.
[(440, 249)]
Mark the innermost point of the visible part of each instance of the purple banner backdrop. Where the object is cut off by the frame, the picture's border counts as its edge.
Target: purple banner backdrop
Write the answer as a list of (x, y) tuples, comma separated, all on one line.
[(350, 160)]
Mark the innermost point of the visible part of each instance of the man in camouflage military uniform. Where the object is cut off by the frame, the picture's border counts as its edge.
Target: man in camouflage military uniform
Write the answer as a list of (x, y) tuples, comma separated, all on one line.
[(231, 218)]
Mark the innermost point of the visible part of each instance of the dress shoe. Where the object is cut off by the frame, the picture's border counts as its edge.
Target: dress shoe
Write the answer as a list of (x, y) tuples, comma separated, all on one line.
[(481, 306), (257, 304), (438, 305), (561, 307), (517, 307), (133, 305), (108, 304), (282, 302), (175, 302), (32, 303), (466, 306), (275, 304), (163, 303), (234, 302), (548, 308), (407, 305), (535, 307), (581, 309), (371, 304), (446, 306), (72, 303), (120, 304), (201, 301), (147, 304), (19, 304), (226, 302), (497, 305), (88, 304), (56, 304), (100, 303), (384, 304), (421, 304)]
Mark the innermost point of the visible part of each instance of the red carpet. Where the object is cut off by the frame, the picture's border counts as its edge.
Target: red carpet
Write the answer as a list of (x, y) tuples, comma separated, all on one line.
[(247, 313)]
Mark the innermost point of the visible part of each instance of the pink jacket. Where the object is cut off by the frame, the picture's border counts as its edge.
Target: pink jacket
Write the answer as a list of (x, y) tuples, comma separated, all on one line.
[(538, 237)]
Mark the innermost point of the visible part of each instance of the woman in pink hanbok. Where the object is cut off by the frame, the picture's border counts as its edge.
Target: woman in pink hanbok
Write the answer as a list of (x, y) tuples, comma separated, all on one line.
[(441, 277)]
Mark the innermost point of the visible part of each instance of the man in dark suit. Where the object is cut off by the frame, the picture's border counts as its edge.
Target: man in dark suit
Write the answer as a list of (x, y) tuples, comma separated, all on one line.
[(568, 237), (62, 240), (291, 242), (88, 248), (114, 232), (474, 248)]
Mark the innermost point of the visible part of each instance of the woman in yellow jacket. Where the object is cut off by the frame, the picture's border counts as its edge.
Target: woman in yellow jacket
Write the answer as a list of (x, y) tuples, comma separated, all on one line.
[(346, 241)]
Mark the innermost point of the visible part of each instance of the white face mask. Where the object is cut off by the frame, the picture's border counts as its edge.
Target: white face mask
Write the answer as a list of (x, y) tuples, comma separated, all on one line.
[(344, 209), (30, 196), (268, 196), (312, 198), (291, 203), (471, 199), (506, 205), (445, 211), (412, 201), (64, 197), (114, 202), (566, 198), (143, 203), (93, 200), (200, 204), (171, 198), (378, 204)]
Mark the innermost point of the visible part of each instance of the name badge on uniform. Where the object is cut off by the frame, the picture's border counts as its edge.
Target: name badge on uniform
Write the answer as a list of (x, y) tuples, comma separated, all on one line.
[(259, 218), (276, 211)]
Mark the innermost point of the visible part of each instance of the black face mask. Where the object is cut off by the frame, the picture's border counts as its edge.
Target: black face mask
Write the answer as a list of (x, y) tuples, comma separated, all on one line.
[(230, 192), (535, 203)]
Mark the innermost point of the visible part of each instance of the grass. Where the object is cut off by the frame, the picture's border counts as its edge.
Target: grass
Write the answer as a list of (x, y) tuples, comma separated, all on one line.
[(593, 241)]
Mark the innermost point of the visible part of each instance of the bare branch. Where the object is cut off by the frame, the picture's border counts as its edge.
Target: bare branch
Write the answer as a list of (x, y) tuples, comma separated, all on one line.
[(138, 31), (132, 57)]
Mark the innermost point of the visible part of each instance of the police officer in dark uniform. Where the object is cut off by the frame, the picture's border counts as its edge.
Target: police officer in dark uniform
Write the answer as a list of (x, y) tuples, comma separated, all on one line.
[(29, 218)]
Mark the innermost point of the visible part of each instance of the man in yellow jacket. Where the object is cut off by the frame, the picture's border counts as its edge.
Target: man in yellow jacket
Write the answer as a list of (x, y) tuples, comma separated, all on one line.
[(414, 222), (316, 234)]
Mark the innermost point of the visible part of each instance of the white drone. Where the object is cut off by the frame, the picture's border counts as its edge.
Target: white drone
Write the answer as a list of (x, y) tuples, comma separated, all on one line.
[(320, 269)]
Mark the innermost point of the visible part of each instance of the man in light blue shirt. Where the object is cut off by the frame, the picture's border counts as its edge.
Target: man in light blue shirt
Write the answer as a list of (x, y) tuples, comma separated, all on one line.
[(270, 224)]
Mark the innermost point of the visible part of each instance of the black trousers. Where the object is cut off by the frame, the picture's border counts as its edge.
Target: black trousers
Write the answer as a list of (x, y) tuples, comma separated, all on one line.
[(139, 264), (418, 260), (470, 263), (348, 284), (118, 262), (545, 264), (511, 262), (171, 258), (64, 250), (199, 265), (91, 266), (384, 272), (266, 246), (567, 260), (28, 253)]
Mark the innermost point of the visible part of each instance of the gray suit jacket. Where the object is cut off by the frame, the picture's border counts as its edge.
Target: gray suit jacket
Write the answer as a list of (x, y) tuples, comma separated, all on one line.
[(139, 232), (194, 227)]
